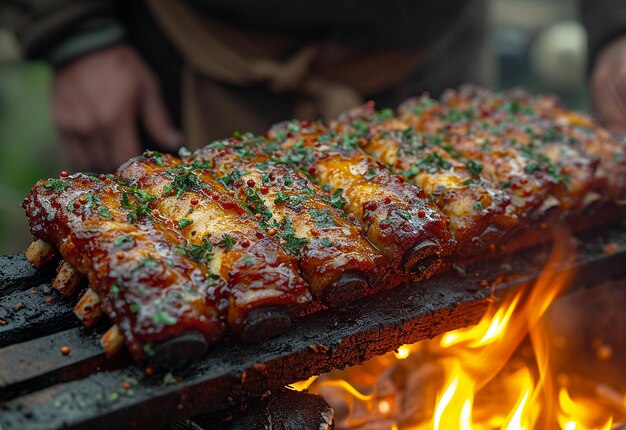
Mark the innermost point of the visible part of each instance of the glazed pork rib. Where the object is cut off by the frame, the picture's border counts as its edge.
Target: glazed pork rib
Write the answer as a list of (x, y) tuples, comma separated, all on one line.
[(338, 264), (158, 298), (475, 207), (588, 156), (397, 217), (175, 257), (264, 287)]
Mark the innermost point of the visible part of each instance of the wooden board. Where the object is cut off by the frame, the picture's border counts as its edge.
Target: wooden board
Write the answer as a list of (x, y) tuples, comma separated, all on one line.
[(71, 391)]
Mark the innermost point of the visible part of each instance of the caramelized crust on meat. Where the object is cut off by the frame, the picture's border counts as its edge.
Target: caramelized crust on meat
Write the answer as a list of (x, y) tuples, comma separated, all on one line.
[(398, 218), (336, 261), (474, 205), (542, 135), (221, 235), (151, 291)]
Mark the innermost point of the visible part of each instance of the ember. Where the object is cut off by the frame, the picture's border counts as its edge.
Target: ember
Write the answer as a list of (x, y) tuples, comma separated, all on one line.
[(498, 374)]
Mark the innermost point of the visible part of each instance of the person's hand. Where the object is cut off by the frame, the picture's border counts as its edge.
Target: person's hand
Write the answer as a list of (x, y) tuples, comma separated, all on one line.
[(97, 103), (608, 85)]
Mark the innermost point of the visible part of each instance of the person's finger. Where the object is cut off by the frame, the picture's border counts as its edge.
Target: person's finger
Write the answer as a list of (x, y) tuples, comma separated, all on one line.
[(607, 96), (156, 119), (124, 143)]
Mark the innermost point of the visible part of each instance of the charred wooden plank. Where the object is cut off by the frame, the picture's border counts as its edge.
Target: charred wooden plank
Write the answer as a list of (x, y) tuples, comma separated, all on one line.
[(283, 409), (16, 273), (42, 361), (37, 311), (233, 372)]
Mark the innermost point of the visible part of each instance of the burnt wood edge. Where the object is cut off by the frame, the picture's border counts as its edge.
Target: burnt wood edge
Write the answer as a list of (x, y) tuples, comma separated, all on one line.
[(37, 311), (330, 339), (23, 374), (284, 409), (16, 274)]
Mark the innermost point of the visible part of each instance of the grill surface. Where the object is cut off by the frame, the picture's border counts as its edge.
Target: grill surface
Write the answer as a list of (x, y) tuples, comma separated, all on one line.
[(41, 388)]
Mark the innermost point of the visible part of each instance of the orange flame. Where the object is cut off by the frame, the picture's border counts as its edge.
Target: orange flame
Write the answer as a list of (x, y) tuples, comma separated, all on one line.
[(481, 385)]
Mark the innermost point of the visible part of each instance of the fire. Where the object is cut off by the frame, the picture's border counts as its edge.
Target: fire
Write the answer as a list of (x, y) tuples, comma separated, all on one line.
[(494, 375)]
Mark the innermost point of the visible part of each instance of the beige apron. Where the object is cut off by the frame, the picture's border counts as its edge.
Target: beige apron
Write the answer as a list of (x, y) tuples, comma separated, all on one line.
[(318, 80)]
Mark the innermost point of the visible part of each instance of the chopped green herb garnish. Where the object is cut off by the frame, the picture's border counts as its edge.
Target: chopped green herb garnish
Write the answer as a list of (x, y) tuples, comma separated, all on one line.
[(146, 262), (57, 184), (336, 199), (201, 252), (478, 206), (134, 308), (184, 223), (182, 183), (322, 217), (475, 167), (404, 214), (123, 239), (227, 242), (149, 349), (156, 156), (161, 319), (104, 212)]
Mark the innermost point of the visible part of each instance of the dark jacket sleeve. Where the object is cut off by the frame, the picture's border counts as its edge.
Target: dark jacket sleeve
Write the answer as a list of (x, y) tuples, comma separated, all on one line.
[(604, 20), (58, 30)]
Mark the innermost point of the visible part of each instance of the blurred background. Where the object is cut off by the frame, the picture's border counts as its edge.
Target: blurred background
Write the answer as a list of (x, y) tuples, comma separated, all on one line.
[(537, 44)]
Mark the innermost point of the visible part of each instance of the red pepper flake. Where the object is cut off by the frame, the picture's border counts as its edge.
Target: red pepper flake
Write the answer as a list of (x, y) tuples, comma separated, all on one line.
[(245, 243), (222, 152), (64, 174), (421, 213), (77, 204), (126, 385), (384, 225), (264, 190), (231, 192), (610, 248), (315, 232), (271, 231), (351, 218), (48, 299), (119, 255), (102, 176), (258, 216), (259, 236), (83, 200), (215, 196), (289, 134), (272, 177), (194, 201), (251, 183), (387, 200), (148, 371), (65, 350), (311, 170), (85, 181)]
